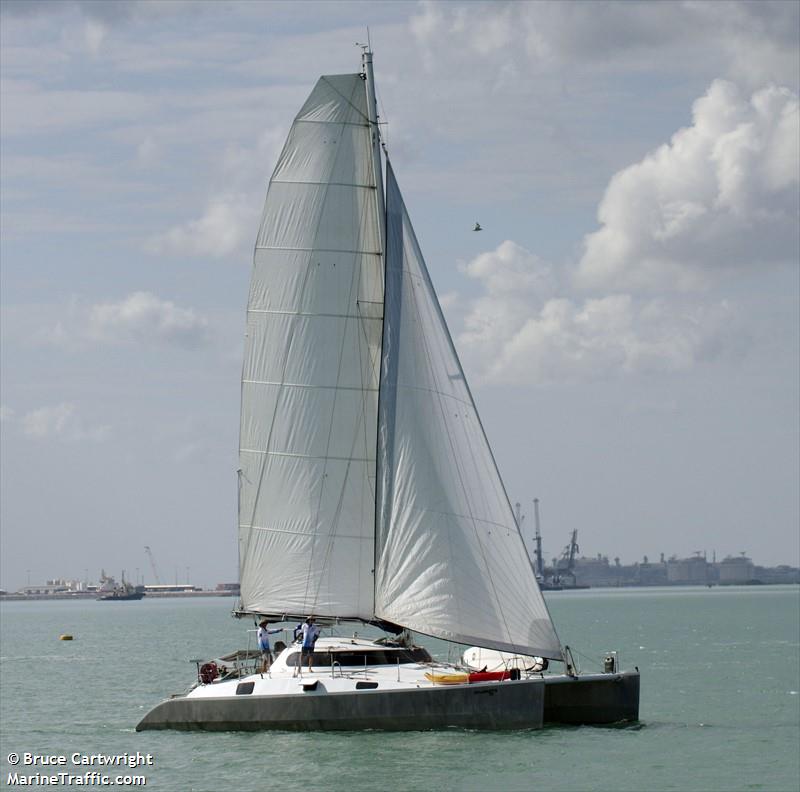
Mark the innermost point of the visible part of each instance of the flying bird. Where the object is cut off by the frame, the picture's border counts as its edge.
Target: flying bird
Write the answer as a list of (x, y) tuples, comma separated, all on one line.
[(477, 227)]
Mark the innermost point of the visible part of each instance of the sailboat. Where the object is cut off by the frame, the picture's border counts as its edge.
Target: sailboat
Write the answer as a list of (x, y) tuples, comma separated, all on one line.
[(368, 492)]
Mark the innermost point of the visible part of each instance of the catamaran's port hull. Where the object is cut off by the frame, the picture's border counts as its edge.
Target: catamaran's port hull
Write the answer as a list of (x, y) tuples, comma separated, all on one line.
[(592, 698), (506, 705)]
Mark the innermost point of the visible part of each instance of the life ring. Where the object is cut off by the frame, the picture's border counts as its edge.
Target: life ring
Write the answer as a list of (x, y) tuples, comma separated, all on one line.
[(208, 673)]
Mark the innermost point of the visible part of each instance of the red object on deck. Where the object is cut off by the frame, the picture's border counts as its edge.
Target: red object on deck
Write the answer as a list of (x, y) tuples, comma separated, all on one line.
[(489, 676)]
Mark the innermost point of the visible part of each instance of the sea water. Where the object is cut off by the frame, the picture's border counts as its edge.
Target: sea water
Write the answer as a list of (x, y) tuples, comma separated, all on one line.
[(720, 701)]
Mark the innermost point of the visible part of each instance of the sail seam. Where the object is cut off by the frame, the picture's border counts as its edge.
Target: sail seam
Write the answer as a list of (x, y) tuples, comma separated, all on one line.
[(482, 520), (322, 183), (301, 385), (304, 456), (337, 123), (297, 533), (327, 315), (319, 250), (437, 392)]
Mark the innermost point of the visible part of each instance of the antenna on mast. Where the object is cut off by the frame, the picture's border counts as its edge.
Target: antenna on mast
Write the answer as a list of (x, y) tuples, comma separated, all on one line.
[(365, 48)]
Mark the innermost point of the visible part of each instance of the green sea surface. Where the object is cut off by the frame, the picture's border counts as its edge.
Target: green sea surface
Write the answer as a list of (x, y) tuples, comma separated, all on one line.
[(720, 701)]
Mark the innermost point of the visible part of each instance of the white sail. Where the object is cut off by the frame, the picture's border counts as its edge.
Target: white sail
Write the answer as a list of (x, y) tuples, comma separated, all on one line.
[(310, 376), (450, 560)]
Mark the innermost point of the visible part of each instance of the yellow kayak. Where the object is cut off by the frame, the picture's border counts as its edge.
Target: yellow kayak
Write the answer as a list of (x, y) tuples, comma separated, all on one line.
[(457, 678)]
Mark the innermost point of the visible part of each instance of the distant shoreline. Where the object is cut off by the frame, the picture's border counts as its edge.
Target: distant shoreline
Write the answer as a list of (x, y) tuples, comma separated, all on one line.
[(92, 595)]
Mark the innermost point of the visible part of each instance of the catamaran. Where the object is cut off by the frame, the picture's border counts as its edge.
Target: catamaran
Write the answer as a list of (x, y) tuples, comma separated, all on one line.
[(368, 492)]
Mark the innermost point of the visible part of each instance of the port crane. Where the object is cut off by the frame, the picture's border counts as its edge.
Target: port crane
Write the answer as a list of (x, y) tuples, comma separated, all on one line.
[(152, 561), (566, 564)]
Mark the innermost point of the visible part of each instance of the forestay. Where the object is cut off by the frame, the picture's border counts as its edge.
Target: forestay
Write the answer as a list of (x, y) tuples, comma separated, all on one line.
[(450, 559), (310, 376)]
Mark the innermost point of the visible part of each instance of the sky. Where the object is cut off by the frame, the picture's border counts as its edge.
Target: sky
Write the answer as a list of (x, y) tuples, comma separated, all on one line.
[(628, 319)]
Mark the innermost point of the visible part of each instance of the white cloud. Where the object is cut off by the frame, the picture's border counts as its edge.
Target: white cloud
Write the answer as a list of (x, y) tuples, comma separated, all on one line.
[(61, 421), (144, 317), (745, 40), (29, 109), (95, 32), (226, 224), (148, 151), (520, 330), (723, 193), (6, 414)]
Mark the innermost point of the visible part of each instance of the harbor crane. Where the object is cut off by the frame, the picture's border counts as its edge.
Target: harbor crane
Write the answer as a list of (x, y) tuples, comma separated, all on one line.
[(565, 566), (152, 564)]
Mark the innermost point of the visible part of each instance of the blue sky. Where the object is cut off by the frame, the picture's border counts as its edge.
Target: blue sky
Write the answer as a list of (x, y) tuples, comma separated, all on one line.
[(628, 319)]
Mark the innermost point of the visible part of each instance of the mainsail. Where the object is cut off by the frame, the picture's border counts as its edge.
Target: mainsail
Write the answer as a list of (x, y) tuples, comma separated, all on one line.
[(310, 376), (436, 549)]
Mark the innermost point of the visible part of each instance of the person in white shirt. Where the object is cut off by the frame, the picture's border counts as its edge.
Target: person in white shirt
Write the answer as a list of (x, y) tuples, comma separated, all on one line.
[(310, 635), (263, 644)]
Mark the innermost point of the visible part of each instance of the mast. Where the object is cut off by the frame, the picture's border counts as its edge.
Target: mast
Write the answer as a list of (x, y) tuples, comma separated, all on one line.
[(372, 113)]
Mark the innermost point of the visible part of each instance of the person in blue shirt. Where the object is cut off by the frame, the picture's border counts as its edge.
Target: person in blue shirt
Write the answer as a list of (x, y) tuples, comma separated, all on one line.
[(310, 635), (263, 644)]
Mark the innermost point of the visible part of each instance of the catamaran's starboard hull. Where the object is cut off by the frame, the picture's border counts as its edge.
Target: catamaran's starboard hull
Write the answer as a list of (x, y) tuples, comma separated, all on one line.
[(507, 705), (592, 698)]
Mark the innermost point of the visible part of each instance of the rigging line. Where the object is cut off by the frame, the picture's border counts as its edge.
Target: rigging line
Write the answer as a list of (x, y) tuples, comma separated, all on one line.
[(431, 292), (285, 363), (356, 85), (586, 657), (385, 137), (337, 514)]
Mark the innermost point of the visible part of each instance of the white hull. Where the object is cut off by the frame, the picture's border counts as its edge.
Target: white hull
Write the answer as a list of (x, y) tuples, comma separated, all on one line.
[(345, 696)]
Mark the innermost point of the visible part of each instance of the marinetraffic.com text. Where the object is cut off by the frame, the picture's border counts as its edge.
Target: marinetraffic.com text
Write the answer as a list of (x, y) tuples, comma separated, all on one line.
[(76, 769)]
